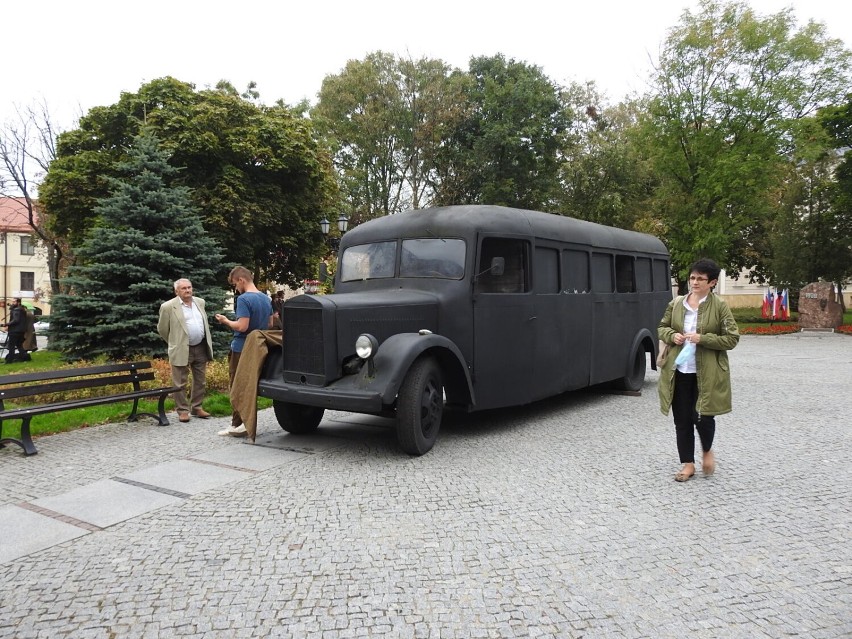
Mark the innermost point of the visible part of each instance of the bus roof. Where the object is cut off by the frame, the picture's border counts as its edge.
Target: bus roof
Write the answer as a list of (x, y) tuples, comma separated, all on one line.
[(467, 221)]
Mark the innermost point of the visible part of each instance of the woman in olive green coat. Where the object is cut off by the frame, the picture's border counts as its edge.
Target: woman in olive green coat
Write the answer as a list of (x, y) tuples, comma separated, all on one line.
[(695, 381)]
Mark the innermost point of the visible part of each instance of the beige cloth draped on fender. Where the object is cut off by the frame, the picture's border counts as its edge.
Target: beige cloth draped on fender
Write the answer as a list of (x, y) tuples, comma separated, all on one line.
[(247, 375)]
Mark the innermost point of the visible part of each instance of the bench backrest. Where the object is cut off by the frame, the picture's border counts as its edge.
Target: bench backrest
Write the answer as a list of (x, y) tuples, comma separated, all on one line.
[(22, 385)]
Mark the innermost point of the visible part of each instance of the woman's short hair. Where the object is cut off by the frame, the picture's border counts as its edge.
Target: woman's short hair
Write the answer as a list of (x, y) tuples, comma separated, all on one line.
[(707, 267)]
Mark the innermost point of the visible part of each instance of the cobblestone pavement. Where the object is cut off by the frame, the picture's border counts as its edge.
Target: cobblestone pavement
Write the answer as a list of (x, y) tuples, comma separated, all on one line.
[(559, 519)]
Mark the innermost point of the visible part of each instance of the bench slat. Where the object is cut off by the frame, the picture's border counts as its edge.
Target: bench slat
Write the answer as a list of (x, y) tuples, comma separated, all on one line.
[(74, 384), (31, 411), (19, 378)]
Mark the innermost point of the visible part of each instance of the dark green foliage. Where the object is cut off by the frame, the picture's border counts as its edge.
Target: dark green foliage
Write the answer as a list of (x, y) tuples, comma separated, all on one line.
[(811, 237), (147, 234), (506, 150), (837, 242), (259, 178), (384, 117), (730, 88)]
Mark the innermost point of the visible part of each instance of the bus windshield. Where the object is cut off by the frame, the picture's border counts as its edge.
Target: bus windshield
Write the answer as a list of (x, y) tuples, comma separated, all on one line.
[(432, 257), (441, 258), (368, 261)]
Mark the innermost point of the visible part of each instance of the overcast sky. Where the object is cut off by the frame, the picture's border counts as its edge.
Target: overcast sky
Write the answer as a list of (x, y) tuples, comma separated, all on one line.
[(84, 53)]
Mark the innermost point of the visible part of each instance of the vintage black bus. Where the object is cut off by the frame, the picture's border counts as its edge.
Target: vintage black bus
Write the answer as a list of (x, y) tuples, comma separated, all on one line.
[(468, 307)]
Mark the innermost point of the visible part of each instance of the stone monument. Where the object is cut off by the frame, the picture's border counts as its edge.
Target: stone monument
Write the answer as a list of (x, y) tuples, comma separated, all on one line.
[(818, 306)]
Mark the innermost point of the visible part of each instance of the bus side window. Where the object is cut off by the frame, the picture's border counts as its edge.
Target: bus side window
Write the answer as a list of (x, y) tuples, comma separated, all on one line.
[(624, 274), (575, 275), (643, 275), (602, 272), (513, 277), (662, 276), (546, 271)]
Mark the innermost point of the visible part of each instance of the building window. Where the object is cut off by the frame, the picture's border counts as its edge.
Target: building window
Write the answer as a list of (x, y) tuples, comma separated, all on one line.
[(27, 246), (27, 281)]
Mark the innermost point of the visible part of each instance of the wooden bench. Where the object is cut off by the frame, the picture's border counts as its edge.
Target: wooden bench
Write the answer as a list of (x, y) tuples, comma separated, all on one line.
[(29, 385)]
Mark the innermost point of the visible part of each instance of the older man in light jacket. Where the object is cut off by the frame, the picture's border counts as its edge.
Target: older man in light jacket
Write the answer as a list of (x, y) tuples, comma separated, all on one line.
[(183, 325)]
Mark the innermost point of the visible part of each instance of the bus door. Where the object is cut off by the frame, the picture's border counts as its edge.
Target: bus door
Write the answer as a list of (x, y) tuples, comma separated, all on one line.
[(504, 323), (550, 361), (563, 311)]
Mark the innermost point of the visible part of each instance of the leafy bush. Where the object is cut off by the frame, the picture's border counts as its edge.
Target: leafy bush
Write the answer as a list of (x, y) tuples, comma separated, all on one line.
[(217, 374)]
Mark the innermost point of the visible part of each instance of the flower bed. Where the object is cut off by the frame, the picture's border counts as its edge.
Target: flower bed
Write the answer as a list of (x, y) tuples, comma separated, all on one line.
[(846, 329), (772, 329)]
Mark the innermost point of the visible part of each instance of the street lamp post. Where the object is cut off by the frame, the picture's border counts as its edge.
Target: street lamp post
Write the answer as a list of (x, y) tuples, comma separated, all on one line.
[(342, 225), (333, 242)]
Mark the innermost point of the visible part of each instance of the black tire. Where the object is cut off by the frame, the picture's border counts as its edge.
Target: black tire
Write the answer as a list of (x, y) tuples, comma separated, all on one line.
[(419, 407), (635, 376), (297, 418)]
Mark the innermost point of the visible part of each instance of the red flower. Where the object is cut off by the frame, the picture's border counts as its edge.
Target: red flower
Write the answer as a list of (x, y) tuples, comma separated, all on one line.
[(772, 329)]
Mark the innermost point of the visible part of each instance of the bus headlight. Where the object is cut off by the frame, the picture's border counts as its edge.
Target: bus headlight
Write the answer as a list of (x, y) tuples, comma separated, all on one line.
[(366, 346)]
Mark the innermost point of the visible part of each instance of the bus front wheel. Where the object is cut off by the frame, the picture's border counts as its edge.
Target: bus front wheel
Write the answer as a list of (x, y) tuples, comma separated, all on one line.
[(635, 376), (420, 405), (297, 418)]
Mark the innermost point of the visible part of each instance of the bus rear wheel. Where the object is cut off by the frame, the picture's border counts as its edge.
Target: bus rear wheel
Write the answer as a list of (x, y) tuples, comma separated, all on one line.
[(420, 405), (635, 376), (297, 418)]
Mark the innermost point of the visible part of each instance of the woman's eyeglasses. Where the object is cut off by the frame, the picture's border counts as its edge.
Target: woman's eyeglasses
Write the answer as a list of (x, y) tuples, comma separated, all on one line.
[(693, 278)]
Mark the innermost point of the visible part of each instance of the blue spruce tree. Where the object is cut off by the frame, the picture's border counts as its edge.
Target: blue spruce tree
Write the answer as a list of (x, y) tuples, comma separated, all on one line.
[(148, 235)]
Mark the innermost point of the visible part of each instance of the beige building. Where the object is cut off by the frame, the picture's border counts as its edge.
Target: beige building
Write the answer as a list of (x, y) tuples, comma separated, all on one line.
[(25, 272), (740, 293)]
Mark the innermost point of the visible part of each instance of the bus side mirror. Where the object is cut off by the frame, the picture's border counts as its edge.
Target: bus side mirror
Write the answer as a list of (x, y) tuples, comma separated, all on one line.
[(498, 266)]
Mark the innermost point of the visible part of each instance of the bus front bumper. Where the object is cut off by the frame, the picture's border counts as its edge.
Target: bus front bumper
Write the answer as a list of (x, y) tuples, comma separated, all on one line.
[(341, 396)]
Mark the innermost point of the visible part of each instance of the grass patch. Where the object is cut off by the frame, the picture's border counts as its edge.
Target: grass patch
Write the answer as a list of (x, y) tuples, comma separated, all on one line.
[(216, 400), (753, 317), (751, 322)]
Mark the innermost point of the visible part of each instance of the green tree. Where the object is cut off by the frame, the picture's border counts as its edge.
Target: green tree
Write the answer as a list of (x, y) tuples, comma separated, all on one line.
[(837, 122), (801, 238), (604, 177), (506, 149), (385, 118), (258, 175), (728, 89), (147, 234)]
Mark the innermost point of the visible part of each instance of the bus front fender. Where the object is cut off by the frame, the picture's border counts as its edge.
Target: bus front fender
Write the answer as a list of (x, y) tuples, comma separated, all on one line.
[(396, 355)]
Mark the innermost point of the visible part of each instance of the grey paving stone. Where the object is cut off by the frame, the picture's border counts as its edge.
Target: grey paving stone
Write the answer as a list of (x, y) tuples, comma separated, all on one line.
[(106, 502), (185, 476), (250, 456), (23, 532)]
